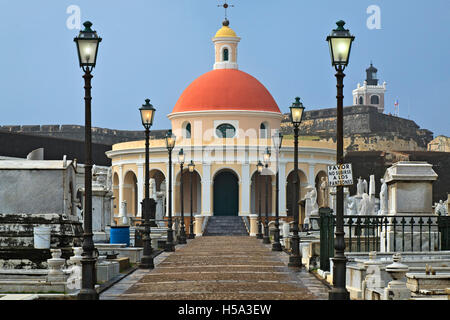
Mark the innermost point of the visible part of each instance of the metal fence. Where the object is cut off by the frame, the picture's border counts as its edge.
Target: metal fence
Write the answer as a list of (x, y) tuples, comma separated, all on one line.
[(400, 233)]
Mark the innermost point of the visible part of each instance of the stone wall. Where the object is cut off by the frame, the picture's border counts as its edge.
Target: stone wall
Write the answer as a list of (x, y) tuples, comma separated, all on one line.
[(366, 163), (19, 145), (76, 132), (364, 129)]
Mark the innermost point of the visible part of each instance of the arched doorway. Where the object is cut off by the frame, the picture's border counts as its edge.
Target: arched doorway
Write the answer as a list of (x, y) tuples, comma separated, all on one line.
[(290, 189), (318, 182), (258, 187), (130, 193), (226, 194)]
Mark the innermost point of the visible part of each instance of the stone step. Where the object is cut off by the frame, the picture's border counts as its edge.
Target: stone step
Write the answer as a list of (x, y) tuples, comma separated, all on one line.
[(225, 225)]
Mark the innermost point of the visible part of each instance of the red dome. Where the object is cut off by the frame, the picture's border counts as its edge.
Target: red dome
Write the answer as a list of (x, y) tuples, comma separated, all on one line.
[(226, 89)]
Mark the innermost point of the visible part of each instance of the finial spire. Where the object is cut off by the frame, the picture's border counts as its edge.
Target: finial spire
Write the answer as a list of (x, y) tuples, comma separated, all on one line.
[(225, 5)]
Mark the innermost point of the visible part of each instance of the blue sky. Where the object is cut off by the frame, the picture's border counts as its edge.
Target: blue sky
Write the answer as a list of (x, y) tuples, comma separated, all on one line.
[(156, 48)]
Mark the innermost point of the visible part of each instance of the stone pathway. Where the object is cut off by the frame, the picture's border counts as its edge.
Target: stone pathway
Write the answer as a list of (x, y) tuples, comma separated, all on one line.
[(220, 268)]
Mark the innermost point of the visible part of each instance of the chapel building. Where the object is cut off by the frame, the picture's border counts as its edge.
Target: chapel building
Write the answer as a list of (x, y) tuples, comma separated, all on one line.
[(224, 121)]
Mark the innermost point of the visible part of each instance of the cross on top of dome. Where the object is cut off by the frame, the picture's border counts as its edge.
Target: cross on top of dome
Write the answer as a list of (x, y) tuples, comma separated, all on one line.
[(225, 5)]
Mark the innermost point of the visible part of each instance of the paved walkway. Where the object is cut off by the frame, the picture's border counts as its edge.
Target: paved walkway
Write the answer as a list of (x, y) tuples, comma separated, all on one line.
[(220, 268)]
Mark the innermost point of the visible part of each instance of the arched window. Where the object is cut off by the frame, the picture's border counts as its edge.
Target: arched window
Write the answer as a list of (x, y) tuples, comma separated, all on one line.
[(361, 101), (226, 130), (188, 131), (262, 131), (225, 54), (375, 99)]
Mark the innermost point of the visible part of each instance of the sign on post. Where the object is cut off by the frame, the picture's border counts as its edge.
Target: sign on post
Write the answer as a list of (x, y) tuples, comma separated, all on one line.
[(340, 175)]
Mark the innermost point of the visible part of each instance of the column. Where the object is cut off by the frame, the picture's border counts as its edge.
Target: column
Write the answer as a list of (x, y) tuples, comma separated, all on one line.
[(120, 188), (206, 190), (140, 187), (245, 184), (282, 176), (311, 176)]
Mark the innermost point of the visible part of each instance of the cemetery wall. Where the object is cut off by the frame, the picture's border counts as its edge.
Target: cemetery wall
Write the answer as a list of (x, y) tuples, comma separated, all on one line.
[(19, 145), (76, 132)]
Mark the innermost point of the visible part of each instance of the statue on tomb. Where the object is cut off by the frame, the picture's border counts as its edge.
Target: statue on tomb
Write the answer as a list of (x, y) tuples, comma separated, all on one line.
[(365, 206), (359, 187), (383, 197), (109, 179), (313, 197), (364, 183), (152, 189), (324, 193), (352, 206), (440, 208)]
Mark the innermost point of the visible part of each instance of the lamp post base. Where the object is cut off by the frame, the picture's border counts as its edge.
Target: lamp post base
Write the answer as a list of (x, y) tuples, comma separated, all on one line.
[(276, 246), (191, 236), (338, 294), (182, 239), (266, 240), (295, 261), (259, 236), (88, 294), (169, 247), (146, 263)]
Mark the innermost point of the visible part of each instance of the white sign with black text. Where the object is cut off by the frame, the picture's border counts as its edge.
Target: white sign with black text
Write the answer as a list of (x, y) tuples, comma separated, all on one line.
[(340, 175)]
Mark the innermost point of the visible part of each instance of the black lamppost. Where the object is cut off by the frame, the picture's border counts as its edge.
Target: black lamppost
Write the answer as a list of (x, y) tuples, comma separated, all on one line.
[(295, 259), (340, 43), (170, 144), (260, 168), (87, 46), (182, 236), (277, 139), (148, 205), (266, 238), (191, 167)]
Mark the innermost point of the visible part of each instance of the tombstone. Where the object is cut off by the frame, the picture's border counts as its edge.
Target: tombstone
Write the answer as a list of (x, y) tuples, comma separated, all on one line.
[(383, 198), (365, 206), (359, 188), (152, 189), (160, 200), (440, 208), (324, 193), (397, 289), (101, 202), (364, 183), (36, 193), (55, 265), (352, 206), (373, 280), (311, 207), (332, 198), (410, 191), (123, 213)]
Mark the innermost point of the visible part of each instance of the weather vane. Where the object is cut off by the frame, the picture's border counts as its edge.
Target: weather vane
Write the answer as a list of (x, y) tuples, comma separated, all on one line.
[(225, 5)]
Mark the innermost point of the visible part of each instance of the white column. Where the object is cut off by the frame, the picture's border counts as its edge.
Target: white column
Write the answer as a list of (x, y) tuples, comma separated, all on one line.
[(311, 178), (282, 186), (245, 201), (120, 188), (206, 189), (140, 187)]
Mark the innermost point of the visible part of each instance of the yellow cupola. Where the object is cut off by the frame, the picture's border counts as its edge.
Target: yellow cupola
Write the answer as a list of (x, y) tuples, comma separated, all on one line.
[(226, 43), (225, 31)]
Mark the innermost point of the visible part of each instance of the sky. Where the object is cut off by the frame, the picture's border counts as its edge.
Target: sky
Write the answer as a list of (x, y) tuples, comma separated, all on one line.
[(155, 48)]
